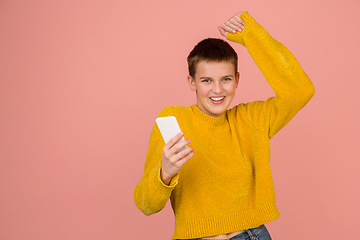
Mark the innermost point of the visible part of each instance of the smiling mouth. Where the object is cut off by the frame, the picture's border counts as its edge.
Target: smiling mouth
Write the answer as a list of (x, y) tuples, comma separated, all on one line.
[(217, 98)]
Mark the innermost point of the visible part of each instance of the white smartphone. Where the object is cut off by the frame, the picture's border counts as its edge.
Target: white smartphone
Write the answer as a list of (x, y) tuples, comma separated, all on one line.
[(169, 127)]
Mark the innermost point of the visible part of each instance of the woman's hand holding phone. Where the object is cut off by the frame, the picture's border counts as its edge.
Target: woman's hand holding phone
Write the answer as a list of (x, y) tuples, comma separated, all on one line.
[(173, 159)]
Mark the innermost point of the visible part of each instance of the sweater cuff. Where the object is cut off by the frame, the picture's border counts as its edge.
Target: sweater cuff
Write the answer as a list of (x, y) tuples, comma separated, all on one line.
[(250, 25), (160, 186)]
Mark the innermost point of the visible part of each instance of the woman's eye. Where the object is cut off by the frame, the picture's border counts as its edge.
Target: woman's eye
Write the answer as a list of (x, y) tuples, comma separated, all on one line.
[(206, 80), (227, 79)]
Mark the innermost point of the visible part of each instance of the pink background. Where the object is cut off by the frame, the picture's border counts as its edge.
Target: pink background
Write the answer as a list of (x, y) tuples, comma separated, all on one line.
[(81, 83)]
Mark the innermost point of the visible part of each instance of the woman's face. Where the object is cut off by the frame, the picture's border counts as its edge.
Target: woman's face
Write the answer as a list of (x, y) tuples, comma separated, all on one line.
[(215, 84)]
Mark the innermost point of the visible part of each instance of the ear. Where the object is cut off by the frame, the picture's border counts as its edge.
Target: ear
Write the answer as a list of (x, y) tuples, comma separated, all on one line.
[(191, 82), (237, 79)]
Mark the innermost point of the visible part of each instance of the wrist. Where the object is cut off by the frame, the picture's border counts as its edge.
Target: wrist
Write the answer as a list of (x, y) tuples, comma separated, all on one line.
[(164, 178)]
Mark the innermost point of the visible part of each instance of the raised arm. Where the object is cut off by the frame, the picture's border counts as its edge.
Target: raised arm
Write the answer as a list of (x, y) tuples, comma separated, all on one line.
[(283, 72)]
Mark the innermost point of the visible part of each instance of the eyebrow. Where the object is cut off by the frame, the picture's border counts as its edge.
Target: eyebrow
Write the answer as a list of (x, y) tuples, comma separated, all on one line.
[(221, 77)]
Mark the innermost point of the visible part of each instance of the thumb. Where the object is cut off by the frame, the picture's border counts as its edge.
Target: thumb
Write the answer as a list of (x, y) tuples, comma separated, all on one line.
[(222, 31)]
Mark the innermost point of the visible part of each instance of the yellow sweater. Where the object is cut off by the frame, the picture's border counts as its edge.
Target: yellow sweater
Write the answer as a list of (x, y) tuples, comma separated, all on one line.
[(227, 186)]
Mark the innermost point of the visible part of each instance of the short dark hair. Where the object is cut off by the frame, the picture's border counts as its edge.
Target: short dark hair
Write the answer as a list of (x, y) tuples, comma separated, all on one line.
[(212, 50)]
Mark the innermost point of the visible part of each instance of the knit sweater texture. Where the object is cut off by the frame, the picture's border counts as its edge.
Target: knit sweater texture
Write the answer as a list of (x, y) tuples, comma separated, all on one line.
[(227, 185)]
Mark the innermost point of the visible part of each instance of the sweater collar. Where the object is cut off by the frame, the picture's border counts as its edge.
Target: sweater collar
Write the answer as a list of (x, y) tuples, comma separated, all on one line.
[(207, 118)]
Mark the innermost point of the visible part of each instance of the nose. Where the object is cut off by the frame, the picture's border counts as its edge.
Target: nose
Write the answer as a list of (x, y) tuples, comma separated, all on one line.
[(217, 87)]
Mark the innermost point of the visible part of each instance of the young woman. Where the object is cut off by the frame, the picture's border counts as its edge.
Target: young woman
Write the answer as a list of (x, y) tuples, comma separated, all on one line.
[(221, 186)]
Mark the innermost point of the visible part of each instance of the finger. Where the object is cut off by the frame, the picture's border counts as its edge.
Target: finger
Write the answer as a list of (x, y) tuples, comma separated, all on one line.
[(239, 14), (233, 28), (173, 140), (186, 158), (178, 147), (176, 156), (184, 152), (234, 22), (239, 25), (239, 20), (222, 31), (229, 27)]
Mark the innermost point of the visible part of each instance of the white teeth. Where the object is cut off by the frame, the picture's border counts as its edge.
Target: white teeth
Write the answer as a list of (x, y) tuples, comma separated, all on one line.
[(217, 99)]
